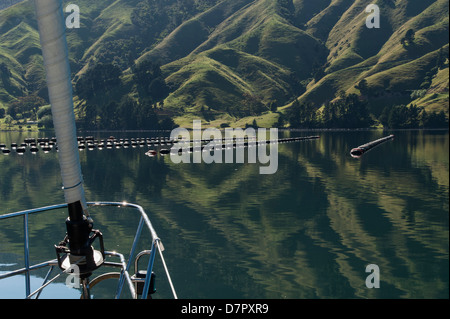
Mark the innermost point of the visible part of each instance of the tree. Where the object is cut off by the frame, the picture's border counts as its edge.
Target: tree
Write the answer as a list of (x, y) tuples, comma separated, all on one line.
[(207, 114), (281, 120), (328, 115), (363, 87), (125, 113), (252, 104), (435, 120), (409, 36), (395, 117), (46, 121), (317, 72), (346, 112), (273, 106), (408, 39), (441, 58), (413, 116), (294, 114), (150, 81), (158, 88), (384, 116), (97, 80), (12, 111), (302, 115), (4, 70), (26, 105), (167, 123), (353, 112), (146, 117), (8, 120), (309, 115), (108, 115)]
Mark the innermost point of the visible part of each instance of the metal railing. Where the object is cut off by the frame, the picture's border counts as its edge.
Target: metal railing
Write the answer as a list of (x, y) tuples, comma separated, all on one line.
[(123, 264)]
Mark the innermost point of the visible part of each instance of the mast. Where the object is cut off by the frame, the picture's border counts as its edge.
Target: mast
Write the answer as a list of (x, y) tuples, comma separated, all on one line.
[(51, 26), (55, 53)]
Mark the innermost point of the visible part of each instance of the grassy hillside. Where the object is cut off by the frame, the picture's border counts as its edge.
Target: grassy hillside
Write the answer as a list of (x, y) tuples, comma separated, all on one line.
[(228, 61), (377, 55), (255, 50)]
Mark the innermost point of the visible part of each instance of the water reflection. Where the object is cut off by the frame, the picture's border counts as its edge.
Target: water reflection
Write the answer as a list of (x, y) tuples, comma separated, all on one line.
[(307, 231)]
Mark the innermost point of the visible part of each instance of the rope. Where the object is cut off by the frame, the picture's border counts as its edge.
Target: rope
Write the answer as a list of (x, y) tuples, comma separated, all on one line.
[(53, 279), (167, 271)]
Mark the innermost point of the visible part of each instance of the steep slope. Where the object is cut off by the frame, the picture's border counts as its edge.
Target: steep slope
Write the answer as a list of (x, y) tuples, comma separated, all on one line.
[(237, 57), (377, 55), (20, 47), (192, 33), (262, 52), (223, 75), (301, 37), (19, 53)]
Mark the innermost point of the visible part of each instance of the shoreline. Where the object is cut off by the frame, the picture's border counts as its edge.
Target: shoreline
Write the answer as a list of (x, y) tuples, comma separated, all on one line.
[(279, 129)]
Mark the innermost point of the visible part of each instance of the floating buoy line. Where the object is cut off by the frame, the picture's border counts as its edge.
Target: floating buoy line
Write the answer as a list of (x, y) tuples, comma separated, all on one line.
[(359, 151), (31, 144), (157, 145), (228, 144)]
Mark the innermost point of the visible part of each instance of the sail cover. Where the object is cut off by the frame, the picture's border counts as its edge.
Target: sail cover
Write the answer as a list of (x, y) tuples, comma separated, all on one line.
[(55, 53)]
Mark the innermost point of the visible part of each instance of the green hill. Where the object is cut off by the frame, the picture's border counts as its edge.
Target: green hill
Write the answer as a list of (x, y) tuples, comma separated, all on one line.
[(377, 55), (228, 61)]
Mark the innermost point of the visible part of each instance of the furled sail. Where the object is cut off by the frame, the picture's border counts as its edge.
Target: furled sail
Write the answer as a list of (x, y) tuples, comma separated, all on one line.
[(55, 53)]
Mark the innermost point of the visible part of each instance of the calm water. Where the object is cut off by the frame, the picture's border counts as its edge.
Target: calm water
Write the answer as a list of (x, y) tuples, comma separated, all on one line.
[(307, 231)]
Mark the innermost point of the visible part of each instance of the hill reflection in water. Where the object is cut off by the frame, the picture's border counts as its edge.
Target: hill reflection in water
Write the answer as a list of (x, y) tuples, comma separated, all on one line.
[(307, 231)]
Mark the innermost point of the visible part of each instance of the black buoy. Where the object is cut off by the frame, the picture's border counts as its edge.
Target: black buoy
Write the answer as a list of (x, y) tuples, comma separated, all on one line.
[(6, 151), (46, 148), (360, 150), (20, 150), (164, 151)]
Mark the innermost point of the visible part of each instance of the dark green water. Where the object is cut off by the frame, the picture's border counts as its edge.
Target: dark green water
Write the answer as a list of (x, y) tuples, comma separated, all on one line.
[(307, 231)]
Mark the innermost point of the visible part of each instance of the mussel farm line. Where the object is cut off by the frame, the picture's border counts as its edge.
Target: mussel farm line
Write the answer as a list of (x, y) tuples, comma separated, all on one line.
[(45, 144), (359, 151), (231, 143), (32, 144)]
